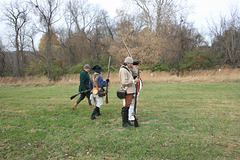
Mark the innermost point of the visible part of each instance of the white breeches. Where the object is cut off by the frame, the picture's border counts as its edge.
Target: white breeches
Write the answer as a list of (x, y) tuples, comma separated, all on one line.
[(96, 100), (131, 108)]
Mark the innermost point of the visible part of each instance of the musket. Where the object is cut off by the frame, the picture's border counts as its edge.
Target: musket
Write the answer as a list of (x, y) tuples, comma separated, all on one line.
[(126, 48), (135, 103), (109, 62), (79, 93)]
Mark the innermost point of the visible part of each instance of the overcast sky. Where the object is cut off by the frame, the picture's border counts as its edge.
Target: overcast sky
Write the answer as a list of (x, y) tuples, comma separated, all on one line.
[(202, 11)]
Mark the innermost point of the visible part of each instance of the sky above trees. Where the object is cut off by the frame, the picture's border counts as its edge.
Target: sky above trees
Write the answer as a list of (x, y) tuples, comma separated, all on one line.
[(201, 14), (157, 31)]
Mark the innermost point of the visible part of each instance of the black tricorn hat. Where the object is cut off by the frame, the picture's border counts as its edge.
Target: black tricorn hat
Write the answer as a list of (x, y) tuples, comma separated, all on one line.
[(136, 62), (97, 68)]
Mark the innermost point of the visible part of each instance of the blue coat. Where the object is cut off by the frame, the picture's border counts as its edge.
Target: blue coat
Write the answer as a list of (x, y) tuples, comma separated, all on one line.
[(100, 82)]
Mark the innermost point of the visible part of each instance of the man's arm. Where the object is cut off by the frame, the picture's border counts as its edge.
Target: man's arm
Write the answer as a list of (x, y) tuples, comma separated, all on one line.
[(101, 82), (126, 78)]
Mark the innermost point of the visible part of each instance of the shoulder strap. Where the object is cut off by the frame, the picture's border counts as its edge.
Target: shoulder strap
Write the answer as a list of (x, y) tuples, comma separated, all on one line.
[(95, 82), (126, 68)]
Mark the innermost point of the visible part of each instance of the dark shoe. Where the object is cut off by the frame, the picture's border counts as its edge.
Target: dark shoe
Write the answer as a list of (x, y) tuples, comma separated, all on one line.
[(93, 114), (126, 124), (98, 112), (92, 118), (130, 123)]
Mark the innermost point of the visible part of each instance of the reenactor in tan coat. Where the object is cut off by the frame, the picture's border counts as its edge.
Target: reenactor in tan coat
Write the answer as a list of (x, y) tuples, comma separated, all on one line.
[(128, 84)]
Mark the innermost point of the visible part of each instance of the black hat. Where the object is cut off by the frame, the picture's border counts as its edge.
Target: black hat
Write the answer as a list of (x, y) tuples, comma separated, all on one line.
[(136, 62), (97, 68)]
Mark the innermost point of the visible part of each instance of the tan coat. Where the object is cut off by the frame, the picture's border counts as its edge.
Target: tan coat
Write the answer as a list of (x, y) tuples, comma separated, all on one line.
[(134, 71), (126, 79)]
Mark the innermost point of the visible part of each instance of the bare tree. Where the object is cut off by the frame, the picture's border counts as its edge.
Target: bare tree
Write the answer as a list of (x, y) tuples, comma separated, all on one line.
[(164, 34), (47, 13), (101, 35), (158, 14), (146, 14), (108, 26), (182, 38), (81, 13), (16, 16), (226, 37), (2, 60), (31, 36)]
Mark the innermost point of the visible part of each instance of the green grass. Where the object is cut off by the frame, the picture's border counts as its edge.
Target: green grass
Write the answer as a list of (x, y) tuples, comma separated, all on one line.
[(177, 121)]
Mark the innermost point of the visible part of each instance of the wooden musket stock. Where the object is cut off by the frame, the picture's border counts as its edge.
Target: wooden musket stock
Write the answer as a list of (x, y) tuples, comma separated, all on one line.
[(79, 93)]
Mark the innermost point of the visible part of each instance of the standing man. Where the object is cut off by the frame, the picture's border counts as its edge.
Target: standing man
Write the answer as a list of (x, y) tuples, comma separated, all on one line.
[(128, 84), (97, 83), (84, 86), (139, 87)]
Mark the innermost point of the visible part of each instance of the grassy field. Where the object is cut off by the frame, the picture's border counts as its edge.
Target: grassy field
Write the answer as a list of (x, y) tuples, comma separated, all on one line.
[(177, 121)]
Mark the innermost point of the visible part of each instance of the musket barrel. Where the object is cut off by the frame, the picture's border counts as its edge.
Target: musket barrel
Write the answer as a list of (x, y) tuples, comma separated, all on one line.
[(109, 63), (126, 48)]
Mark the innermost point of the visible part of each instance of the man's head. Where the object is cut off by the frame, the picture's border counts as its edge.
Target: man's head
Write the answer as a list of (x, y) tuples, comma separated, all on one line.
[(87, 67), (136, 64), (97, 69), (129, 62)]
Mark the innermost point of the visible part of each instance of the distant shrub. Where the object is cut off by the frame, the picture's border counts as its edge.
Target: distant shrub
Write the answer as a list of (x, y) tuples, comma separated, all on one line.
[(75, 69), (197, 59), (220, 56), (161, 66), (36, 68), (103, 63), (57, 72), (40, 68), (143, 67), (220, 59)]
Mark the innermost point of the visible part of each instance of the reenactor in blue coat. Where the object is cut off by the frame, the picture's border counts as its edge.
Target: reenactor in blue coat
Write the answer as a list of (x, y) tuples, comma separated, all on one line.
[(96, 85)]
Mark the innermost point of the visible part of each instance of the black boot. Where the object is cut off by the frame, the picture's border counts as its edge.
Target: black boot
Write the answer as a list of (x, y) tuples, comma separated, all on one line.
[(98, 111), (125, 122), (93, 114), (130, 123)]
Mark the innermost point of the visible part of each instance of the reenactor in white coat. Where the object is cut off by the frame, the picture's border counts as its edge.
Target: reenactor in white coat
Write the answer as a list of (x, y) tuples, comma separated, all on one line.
[(139, 87)]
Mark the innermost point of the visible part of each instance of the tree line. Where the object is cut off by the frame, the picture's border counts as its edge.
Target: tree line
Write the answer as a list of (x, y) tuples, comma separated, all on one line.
[(75, 32)]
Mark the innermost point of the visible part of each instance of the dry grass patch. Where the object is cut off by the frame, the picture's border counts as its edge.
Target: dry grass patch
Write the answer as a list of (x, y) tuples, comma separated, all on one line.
[(198, 76)]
